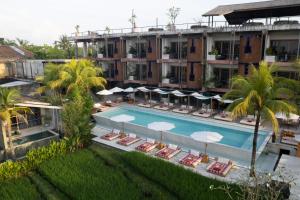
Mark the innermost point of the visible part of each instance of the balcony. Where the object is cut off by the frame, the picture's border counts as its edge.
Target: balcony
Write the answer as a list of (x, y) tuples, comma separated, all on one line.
[(173, 76), (136, 73), (282, 51)]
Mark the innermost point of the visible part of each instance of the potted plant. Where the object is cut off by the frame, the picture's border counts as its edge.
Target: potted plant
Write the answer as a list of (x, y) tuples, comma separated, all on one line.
[(165, 80), (101, 52), (212, 54), (166, 54), (270, 55), (132, 52)]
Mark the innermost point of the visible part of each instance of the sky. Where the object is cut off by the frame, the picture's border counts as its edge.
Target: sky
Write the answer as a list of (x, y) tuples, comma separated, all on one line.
[(44, 21)]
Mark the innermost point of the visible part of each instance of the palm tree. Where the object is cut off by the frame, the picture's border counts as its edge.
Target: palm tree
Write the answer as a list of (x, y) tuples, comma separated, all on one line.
[(8, 97), (261, 95), (75, 76), (65, 44), (22, 43)]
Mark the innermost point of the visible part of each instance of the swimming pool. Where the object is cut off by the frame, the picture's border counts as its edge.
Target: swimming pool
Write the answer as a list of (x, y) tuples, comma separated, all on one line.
[(233, 136), (33, 137)]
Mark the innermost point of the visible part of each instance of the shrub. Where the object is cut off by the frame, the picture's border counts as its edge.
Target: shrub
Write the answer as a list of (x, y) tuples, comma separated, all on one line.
[(10, 169)]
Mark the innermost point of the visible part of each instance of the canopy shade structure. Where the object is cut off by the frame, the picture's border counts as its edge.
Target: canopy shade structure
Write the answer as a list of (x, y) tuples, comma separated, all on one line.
[(199, 96), (143, 89), (159, 91), (283, 116), (240, 13), (129, 90), (116, 90), (123, 118), (105, 92), (178, 93)]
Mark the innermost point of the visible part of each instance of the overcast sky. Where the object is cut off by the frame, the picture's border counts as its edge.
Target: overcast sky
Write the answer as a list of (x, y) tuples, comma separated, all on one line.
[(43, 21)]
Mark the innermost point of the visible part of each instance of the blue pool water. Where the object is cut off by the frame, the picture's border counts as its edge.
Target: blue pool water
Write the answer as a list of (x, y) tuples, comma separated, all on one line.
[(238, 137)]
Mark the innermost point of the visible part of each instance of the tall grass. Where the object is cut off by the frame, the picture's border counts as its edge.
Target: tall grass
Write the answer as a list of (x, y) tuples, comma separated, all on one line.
[(82, 176), (18, 189)]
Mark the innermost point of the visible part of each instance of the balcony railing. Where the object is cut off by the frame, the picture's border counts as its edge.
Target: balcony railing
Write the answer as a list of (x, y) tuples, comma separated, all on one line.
[(216, 26)]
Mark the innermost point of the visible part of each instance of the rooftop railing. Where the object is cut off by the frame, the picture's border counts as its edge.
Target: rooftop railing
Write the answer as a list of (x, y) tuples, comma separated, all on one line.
[(212, 26)]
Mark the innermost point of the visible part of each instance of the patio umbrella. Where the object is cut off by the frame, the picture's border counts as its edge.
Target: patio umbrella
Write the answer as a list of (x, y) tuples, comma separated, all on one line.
[(116, 90), (97, 105), (105, 92), (161, 126), (207, 137), (284, 116), (123, 118), (129, 90)]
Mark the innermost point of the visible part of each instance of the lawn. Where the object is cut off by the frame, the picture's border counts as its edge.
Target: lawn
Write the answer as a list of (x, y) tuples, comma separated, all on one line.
[(102, 173)]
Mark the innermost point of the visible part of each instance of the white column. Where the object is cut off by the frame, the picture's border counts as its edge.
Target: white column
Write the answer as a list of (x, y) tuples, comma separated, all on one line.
[(85, 49)]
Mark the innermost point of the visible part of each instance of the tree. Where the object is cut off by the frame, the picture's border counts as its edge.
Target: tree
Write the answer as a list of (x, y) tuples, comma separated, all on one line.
[(173, 14), (80, 76), (261, 95), (8, 97), (22, 43), (65, 45), (71, 77)]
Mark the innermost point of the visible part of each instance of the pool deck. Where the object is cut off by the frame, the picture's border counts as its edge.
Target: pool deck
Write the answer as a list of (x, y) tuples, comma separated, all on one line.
[(265, 163)]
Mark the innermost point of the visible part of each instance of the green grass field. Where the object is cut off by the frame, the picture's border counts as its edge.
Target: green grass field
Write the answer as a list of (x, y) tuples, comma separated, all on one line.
[(102, 173)]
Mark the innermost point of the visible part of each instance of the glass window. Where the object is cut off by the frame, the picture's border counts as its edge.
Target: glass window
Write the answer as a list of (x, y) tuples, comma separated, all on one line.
[(285, 50), (224, 49)]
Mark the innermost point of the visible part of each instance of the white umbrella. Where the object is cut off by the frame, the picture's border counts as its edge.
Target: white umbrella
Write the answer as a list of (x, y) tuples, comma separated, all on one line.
[(105, 92), (129, 90), (207, 137), (122, 118), (97, 105), (283, 116), (161, 126), (143, 89), (116, 90)]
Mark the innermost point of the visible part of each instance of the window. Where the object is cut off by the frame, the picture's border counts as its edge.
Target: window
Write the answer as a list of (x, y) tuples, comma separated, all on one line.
[(193, 48), (222, 76), (174, 50), (224, 49), (192, 75), (136, 71), (285, 50), (177, 74), (248, 48), (149, 47)]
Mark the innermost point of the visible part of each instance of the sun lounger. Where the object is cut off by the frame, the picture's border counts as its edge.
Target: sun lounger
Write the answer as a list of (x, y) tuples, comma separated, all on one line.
[(249, 120), (220, 168), (192, 159), (288, 137), (148, 146), (164, 106), (224, 116), (129, 140), (183, 110), (168, 152), (144, 104), (114, 134), (202, 113)]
